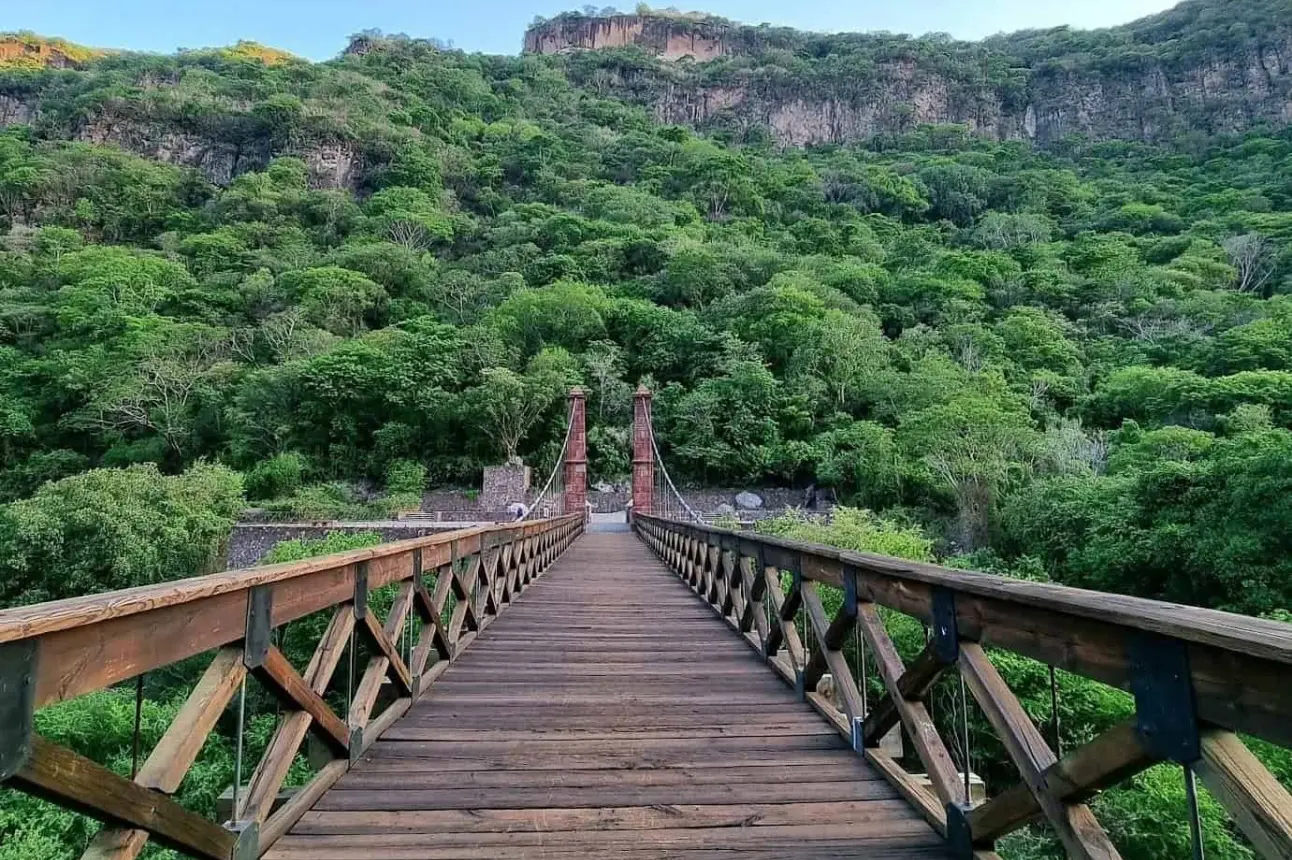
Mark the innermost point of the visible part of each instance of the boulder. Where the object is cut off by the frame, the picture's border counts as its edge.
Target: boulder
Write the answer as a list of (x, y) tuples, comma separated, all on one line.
[(603, 487), (725, 509), (749, 501)]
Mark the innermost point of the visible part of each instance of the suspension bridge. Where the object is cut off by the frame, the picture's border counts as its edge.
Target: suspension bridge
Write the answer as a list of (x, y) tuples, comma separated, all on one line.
[(540, 689)]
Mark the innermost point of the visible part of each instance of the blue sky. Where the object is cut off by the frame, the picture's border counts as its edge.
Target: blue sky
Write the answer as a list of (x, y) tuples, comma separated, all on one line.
[(318, 28)]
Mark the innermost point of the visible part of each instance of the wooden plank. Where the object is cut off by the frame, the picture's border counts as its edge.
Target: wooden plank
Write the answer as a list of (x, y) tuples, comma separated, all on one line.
[(1113, 756), (913, 686), (281, 679), (389, 798), (1260, 805), (565, 818), (178, 748), (1073, 823), (74, 782), (944, 775)]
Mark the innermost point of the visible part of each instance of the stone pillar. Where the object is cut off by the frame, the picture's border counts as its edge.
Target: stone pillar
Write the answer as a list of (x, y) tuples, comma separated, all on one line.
[(643, 455), (576, 455)]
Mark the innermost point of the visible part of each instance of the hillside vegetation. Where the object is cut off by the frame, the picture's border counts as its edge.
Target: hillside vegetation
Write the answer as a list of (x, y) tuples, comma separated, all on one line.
[(1072, 363)]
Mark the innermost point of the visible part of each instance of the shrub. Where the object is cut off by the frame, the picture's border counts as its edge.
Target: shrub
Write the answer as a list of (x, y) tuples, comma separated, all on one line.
[(406, 477), (277, 477), (337, 541), (108, 529)]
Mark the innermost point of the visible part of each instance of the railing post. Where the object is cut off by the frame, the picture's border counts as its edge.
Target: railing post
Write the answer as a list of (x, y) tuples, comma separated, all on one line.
[(643, 454), (576, 456)]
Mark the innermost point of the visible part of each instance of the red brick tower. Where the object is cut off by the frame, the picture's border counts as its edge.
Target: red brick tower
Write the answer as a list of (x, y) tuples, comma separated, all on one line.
[(643, 455), (576, 455)]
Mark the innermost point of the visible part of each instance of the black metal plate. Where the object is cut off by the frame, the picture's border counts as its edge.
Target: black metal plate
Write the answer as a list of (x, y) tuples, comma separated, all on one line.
[(260, 626), (361, 590), (17, 704), (959, 835), (1166, 712), (946, 634)]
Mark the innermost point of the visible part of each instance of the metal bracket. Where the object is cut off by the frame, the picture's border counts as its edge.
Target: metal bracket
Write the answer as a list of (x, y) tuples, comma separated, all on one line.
[(248, 845), (959, 835), (17, 704), (849, 591), (858, 735), (946, 635), (260, 626), (1166, 712), (356, 743), (360, 590), (800, 687)]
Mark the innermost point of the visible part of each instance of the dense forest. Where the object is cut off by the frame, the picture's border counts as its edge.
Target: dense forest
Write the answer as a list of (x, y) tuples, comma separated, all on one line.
[(1071, 363)]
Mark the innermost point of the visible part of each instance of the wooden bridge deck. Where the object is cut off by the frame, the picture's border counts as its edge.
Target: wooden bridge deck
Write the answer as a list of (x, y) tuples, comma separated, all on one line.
[(609, 713)]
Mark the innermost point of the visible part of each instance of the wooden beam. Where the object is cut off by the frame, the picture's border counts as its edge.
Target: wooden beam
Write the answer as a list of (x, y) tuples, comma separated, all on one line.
[(178, 748), (276, 762), (278, 675), (383, 638), (1239, 664), (1075, 825), (277, 825), (74, 782), (833, 657), (914, 686), (1260, 805), (933, 753), (1107, 760)]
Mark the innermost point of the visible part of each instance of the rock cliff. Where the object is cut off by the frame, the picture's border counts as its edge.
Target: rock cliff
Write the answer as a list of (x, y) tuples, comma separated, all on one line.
[(1204, 67), (667, 37)]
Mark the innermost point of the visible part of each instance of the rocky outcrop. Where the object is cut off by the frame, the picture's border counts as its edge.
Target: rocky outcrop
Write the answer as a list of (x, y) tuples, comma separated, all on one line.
[(667, 37), (219, 161), (21, 52), (1140, 96), (15, 110), (331, 165)]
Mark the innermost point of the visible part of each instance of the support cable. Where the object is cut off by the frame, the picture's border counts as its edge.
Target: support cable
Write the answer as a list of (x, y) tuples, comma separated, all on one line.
[(552, 479), (673, 499)]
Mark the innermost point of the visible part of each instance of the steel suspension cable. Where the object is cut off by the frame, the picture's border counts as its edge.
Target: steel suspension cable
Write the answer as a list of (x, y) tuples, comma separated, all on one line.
[(680, 504), (558, 472)]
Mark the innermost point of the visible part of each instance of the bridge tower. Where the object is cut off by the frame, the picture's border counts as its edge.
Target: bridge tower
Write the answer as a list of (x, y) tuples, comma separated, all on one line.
[(576, 455), (643, 454)]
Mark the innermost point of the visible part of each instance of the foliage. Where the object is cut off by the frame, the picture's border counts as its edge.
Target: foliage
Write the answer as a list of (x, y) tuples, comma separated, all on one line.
[(855, 529), (279, 476), (1069, 363), (115, 528), (332, 542)]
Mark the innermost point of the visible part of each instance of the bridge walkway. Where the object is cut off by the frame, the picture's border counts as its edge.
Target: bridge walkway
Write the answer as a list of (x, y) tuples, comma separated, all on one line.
[(609, 714)]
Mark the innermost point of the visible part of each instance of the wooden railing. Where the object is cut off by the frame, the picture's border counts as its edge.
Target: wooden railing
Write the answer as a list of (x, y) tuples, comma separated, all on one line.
[(1198, 677), (445, 588)]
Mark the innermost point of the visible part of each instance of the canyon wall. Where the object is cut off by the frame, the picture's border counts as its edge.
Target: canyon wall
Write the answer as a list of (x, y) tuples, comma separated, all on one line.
[(668, 38), (907, 83)]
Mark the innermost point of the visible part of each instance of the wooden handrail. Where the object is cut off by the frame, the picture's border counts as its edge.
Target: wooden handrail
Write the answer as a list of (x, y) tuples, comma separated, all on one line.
[(1240, 633), (1198, 677), (448, 588), (27, 621)]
